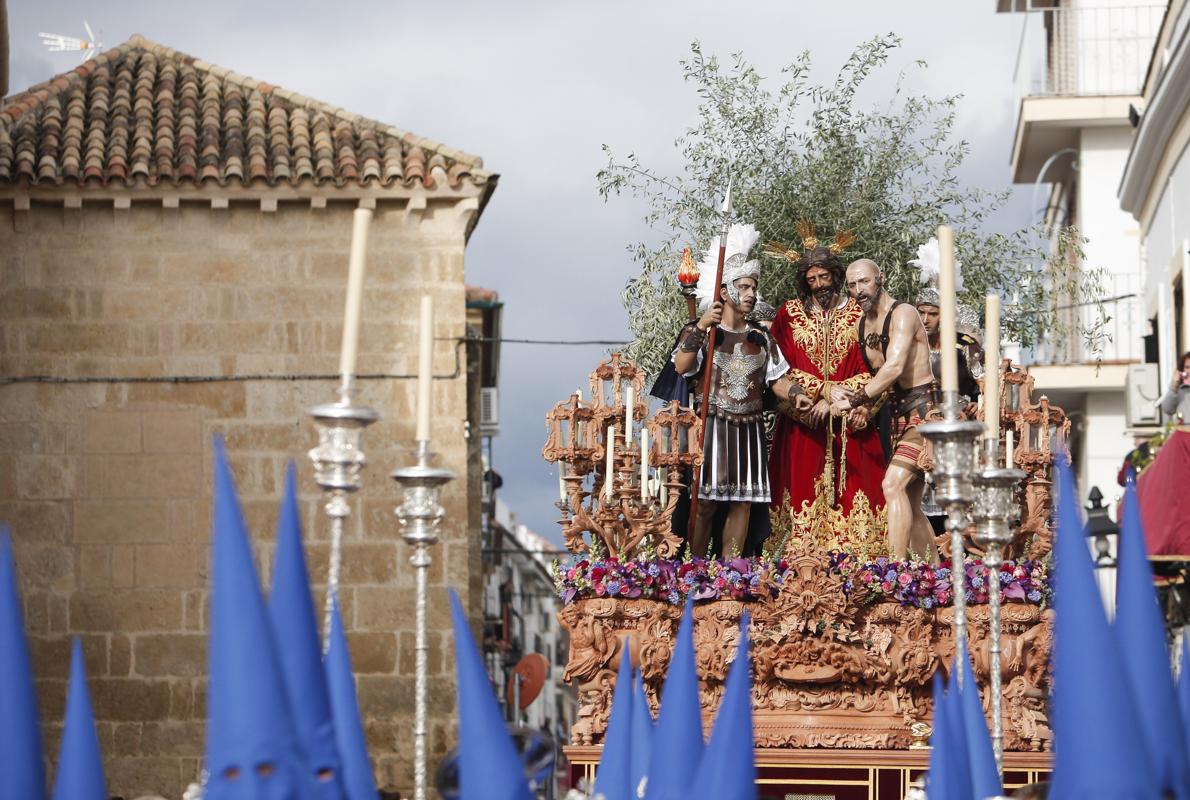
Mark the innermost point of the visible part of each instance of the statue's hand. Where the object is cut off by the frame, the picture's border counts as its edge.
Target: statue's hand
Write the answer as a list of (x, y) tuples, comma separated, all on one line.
[(819, 411), (803, 403)]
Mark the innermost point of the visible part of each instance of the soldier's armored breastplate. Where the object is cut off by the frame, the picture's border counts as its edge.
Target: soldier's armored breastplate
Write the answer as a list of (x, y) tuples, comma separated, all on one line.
[(738, 375)]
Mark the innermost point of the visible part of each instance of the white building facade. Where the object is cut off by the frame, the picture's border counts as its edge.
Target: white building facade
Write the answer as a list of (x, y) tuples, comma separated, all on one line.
[(520, 611), (1081, 68), (1155, 190)]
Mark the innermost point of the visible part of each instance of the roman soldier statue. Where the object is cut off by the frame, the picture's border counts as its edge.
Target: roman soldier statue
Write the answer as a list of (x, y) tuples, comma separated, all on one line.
[(745, 366)]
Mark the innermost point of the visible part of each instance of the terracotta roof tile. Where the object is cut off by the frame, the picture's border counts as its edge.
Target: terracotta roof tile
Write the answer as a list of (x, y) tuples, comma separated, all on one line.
[(145, 112)]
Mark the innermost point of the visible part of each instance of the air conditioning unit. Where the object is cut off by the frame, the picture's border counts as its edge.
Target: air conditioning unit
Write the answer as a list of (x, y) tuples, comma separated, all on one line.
[(1143, 392), (489, 411)]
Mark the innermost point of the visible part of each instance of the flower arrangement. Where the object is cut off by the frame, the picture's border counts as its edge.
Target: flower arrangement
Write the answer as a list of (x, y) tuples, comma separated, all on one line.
[(923, 585), (909, 583), (668, 580)]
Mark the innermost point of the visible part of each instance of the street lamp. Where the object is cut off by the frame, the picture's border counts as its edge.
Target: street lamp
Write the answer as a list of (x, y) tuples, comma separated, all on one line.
[(1099, 528), (1103, 533)]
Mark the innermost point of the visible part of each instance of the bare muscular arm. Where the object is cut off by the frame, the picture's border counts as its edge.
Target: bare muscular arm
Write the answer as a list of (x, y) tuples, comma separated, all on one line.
[(902, 330)]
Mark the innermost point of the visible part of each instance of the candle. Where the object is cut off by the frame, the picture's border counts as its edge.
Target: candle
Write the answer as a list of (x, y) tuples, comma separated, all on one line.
[(991, 368), (1008, 436), (690, 404), (662, 479), (562, 481), (356, 262), (946, 283), (611, 460), (644, 465), (628, 415), (425, 364)]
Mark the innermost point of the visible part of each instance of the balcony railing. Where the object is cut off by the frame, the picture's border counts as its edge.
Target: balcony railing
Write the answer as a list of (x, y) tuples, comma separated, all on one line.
[(1087, 50)]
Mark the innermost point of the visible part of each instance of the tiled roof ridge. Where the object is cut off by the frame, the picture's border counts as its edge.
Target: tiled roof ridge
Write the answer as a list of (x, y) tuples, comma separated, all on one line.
[(317, 141), (302, 100)]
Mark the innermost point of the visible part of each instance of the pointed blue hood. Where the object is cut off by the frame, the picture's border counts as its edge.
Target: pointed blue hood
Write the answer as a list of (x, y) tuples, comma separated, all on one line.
[(613, 778), (1140, 631), (727, 770), (252, 750), (291, 613), (1099, 748), (358, 779), (20, 734), (80, 765), (490, 767), (677, 745)]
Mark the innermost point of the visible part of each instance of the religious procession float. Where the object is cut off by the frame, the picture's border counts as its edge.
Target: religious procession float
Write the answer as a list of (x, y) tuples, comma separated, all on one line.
[(848, 446)]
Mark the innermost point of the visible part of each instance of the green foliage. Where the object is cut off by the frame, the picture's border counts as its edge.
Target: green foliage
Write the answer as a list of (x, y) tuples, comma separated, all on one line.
[(808, 151)]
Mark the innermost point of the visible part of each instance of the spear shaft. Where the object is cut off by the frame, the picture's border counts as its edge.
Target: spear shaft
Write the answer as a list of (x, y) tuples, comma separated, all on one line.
[(708, 363)]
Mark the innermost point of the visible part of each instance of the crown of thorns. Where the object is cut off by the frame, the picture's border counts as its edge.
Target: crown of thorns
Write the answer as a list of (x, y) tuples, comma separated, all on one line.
[(807, 231)]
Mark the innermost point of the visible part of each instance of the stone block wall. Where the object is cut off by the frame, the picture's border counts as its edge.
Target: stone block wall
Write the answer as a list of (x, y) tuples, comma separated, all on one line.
[(107, 485)]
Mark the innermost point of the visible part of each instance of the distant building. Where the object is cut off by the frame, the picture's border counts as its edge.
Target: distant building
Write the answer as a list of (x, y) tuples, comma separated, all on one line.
[(173, 261), (520, 617), (1081, 66), (1155, 191)]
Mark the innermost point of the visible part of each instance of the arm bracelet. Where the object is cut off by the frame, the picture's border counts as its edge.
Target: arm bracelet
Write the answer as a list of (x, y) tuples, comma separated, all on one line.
[(692, 340)]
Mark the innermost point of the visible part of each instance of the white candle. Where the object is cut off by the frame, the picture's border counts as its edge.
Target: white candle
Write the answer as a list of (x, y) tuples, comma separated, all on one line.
[(1008, 437), (579, 392), (946, 283), (562, 481), (644, 465), (425, 365), (991, 369), (690, 404), (611, 461), (356, 263), (662, 479), (628, 415)]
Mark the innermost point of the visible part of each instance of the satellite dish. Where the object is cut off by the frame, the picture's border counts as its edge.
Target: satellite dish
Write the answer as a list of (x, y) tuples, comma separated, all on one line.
[(57, 43), (531, 672)]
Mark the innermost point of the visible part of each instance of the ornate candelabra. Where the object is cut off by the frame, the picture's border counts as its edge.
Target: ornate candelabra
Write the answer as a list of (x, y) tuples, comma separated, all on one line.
[(625, 508), (955, 460), (419, 515), (995, 512), (338, 461)]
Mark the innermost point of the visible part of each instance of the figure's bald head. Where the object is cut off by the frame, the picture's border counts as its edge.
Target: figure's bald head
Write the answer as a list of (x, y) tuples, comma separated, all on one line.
[(865, 282), (863, 265)]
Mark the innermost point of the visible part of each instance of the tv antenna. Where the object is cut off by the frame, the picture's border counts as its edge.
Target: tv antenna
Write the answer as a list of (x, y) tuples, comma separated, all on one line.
[(57, 43)]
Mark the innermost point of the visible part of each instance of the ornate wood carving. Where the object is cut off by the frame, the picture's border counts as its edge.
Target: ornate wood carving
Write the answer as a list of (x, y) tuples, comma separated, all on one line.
[(828, 671)]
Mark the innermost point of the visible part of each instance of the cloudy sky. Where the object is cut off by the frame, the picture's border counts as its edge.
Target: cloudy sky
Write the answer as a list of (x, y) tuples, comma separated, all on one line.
[(536, 89)]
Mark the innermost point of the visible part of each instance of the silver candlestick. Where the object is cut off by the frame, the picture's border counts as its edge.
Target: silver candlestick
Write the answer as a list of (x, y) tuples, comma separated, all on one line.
[(338, 461), (419, 515), (995, 510), (955, 461)]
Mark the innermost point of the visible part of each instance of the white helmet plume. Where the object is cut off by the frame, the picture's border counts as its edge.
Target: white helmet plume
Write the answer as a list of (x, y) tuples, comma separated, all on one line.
[(741, 239), (929, 262)]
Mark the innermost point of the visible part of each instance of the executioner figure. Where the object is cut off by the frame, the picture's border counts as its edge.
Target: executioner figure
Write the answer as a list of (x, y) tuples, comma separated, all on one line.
[(745, 365), (820, 461), (898, 354)]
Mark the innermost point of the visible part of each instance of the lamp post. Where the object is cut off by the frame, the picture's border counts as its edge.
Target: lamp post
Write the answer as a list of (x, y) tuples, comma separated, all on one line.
[(338, 461), (995, 511), (419, 514), (1103, 534), (955, 464)]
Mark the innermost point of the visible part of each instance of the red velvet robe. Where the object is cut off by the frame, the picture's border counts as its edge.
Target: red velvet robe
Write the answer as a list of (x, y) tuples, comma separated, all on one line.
[(823, 350)]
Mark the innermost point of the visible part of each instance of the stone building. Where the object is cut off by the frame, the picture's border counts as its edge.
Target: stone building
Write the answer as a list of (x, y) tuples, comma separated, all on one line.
[(173, 260)]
